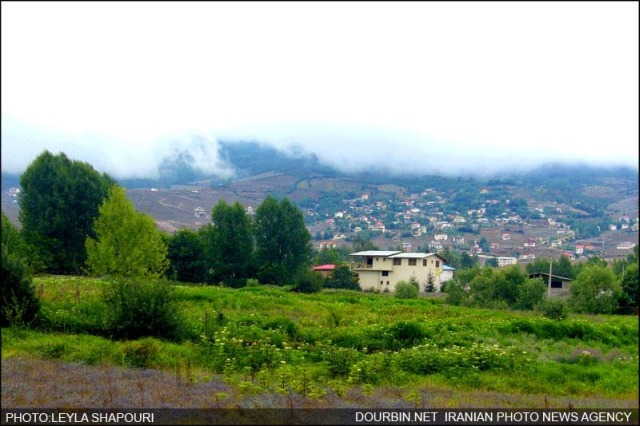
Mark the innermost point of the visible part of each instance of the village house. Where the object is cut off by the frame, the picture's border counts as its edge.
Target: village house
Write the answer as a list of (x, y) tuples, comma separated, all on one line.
[(325, 245), (458, 240), (325, 271), (380, 270), (557, 285), (526, 257), (505, 261), (447, 273), (435, 245)]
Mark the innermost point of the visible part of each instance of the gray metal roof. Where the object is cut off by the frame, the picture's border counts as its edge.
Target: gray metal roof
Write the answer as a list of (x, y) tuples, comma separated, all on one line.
[(415, 255), (382, 253), (410, 255)]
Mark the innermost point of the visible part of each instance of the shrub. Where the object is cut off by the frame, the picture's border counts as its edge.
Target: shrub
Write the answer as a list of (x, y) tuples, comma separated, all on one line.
[(140, 354), (457, 294), (308, 282), (343, 277), (595, 290), (252, 282), (339, 360), (20, 306), (284, 324), (405, 290), (555, 309), (139, 308), (407, 333), (530, 294)]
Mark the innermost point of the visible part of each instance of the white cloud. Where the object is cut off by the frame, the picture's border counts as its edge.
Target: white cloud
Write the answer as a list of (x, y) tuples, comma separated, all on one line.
[(420, 84)]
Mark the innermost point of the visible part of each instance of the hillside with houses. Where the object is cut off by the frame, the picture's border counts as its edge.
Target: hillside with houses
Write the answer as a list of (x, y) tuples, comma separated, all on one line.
[(572, 210)]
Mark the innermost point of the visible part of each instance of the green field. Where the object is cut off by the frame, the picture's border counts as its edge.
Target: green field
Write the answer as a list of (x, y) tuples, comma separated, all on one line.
[(265, 347)]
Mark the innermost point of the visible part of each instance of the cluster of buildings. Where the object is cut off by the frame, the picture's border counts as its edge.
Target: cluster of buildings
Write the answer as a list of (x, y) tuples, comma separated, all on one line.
[(428, 221)]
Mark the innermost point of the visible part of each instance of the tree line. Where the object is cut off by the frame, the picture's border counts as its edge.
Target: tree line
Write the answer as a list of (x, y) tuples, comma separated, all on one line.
[(596, 287), (77, 221)]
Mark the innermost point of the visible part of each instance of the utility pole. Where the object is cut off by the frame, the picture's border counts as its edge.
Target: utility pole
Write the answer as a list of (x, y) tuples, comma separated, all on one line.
[(550, 270)]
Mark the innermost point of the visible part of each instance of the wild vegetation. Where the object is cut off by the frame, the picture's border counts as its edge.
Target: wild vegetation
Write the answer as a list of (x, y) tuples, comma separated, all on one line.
[(262, 344), (271, 332), (265, 340)]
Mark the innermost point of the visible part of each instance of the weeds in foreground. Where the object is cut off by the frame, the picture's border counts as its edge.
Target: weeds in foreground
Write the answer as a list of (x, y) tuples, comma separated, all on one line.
[(262, 346)]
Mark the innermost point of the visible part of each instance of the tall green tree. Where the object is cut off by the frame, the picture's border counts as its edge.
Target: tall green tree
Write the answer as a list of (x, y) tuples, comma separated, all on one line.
[(629, 300), (363, 244), (12, 241), (508, 282), (333, 255), (531, 294), (127, 242), (58, 203), (595, 290), (230, 246), (283, 242), (187, 257), (563, 268), (467, 261), (18, 302), (343, 277)]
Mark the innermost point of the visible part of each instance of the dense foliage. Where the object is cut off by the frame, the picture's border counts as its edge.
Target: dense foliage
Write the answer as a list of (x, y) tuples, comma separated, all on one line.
[(342, 277), (19, 304), (141, 307), (595, 290), (187, 259), (283, 242), (497, 288), (13, 243), (58, 203), (229, 244), (406, 290), (127, 243)]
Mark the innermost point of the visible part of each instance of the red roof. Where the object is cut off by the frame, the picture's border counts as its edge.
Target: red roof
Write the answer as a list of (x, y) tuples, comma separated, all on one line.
[(328, 267)]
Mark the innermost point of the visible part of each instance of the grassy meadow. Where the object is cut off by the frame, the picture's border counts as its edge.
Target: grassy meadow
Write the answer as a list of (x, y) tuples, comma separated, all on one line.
[(267, 347)]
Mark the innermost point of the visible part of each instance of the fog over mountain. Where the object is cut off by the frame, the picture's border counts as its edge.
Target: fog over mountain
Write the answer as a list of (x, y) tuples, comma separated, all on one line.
[(348, 150)]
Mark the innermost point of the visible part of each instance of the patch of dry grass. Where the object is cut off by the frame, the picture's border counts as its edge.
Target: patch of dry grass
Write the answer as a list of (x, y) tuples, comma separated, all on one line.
[(32, 383)]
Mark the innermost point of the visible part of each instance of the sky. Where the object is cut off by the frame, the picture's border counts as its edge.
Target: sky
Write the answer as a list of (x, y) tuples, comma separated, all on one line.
[(415, 87)]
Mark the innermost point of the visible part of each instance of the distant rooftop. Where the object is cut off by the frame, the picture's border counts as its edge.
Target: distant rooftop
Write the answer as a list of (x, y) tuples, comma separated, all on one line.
[(327, 267), (375, 253), (412, 255)]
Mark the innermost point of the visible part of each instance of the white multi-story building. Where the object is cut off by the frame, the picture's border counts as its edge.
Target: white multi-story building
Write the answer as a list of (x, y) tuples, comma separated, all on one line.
[(380, 270), (504, 261)]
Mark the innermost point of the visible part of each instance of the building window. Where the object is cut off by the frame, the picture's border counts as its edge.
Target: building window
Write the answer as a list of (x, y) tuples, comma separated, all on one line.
[(397, 262), (437, 263), (424, 262), (412, 262), (387, 282), (385, 273)]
